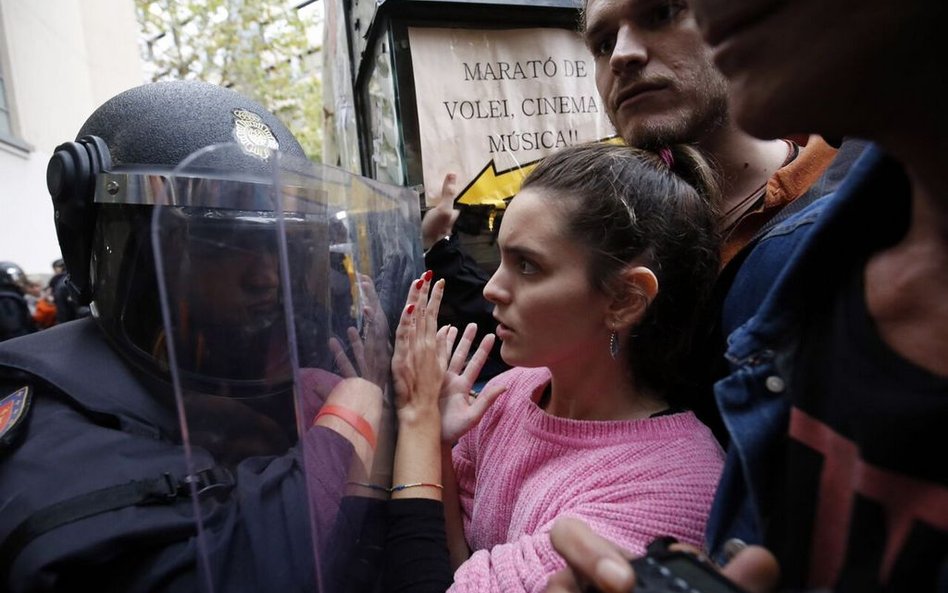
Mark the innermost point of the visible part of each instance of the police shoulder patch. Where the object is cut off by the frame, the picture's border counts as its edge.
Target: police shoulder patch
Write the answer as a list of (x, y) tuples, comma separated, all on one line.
[(13, 409)]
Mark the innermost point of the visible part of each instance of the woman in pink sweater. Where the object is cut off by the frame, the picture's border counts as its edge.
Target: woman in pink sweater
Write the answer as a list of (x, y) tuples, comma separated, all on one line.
[(608, 256)]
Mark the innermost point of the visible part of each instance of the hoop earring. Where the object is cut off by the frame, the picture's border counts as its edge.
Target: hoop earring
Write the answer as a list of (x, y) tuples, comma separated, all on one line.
[(614, 344)]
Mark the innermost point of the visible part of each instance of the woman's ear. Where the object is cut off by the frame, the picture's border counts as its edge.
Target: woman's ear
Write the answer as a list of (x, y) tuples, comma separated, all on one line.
[(635, 289)]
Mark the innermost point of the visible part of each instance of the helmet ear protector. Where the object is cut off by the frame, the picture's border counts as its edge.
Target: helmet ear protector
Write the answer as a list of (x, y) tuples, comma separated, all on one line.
[(70, 178)]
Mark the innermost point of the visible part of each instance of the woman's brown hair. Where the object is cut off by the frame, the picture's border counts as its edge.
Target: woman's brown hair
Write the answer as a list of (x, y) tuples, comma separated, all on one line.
[(636, 207)]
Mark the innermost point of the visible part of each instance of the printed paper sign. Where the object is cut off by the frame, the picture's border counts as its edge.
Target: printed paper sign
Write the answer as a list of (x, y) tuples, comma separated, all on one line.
[(492, 103)]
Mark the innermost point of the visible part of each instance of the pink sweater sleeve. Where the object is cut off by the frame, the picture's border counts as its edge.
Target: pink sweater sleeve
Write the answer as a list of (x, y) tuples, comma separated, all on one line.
[(526, 564), (523, 565), (464, 472), (464, 454)]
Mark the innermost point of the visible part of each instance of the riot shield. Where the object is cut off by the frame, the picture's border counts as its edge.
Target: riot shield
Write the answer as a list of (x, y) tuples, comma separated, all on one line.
[(280, 287)]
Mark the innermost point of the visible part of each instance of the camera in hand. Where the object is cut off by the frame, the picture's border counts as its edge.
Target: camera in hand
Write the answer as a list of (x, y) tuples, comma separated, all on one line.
[(679, 572), (662, 570)]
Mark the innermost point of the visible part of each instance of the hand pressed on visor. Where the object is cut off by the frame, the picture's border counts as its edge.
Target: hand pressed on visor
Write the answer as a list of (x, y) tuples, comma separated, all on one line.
[(372, 350), (362, 389), (461, 407), (426, 361), (421, 354)]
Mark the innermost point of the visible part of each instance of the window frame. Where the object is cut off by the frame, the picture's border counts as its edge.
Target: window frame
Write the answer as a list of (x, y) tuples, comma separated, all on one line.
[(8, 110)]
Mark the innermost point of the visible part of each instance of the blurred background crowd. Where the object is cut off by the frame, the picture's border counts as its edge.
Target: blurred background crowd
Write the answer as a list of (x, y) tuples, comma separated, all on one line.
[(29, 303)]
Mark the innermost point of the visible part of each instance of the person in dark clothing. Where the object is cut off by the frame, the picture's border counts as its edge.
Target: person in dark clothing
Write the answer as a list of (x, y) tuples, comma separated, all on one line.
[(15, 318), (67, 308), (59, 273)]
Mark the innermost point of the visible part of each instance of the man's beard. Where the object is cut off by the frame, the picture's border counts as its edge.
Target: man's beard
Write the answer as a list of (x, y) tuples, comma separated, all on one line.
[(691, 128)]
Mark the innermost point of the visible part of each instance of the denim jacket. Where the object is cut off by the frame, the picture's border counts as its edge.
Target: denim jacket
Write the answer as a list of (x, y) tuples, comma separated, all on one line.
[(794, 264)]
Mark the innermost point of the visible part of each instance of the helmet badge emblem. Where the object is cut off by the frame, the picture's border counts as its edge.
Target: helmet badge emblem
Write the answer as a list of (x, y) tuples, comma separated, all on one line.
[(254, 136)]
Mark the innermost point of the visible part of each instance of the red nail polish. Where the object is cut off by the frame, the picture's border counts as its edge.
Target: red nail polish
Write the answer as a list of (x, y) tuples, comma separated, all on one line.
[(428, 275), (419, 283), (410, 309)]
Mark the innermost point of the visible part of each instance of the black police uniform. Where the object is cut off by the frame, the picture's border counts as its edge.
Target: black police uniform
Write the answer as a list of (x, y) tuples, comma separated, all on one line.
[(94, 489)]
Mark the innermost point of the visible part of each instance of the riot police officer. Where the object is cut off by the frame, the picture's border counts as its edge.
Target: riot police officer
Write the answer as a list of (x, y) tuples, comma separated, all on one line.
[(163, 444), (15, 319)]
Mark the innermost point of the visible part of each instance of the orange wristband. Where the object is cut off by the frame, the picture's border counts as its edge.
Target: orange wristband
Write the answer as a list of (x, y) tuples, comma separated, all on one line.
[(360, 424)]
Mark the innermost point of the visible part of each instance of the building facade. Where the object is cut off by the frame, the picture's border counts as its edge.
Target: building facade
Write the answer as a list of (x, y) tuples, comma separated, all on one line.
[(59, 59)]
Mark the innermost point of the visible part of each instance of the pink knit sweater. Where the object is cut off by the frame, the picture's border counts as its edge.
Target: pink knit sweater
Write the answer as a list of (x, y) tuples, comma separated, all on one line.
[(520, 468)]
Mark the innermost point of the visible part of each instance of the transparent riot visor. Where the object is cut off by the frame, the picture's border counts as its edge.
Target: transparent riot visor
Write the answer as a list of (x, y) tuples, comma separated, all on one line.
[(279, 294)]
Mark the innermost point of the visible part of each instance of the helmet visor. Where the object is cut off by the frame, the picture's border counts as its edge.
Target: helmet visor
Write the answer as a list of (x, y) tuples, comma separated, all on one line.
[(272, 309)]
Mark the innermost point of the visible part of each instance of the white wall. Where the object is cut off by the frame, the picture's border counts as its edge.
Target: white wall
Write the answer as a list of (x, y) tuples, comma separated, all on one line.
[(27, 234), (64, 58)]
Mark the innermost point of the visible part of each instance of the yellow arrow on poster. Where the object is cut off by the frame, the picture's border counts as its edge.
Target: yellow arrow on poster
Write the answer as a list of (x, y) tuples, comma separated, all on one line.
[(492, 188)]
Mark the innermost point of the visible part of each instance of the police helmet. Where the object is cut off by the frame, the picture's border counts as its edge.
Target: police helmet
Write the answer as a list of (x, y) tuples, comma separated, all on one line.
[(11, 275), (104, 188)]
